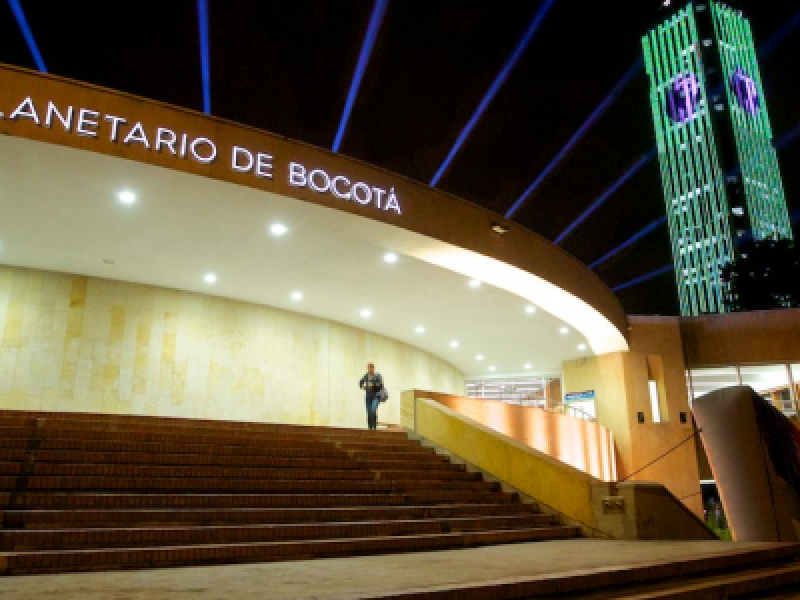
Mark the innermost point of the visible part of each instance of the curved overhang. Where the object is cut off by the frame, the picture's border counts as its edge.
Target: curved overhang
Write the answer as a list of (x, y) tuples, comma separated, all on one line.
[(68, 146)]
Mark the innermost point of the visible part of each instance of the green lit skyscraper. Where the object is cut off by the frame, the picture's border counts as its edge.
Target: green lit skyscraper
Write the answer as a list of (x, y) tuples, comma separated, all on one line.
[(719, 169)]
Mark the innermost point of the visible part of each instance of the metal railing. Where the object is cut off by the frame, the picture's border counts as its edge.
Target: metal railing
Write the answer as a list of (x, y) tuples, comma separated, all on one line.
[(562, 408)]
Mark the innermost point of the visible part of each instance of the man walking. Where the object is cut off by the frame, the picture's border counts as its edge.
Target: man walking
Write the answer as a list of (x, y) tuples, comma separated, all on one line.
[(371, 383)]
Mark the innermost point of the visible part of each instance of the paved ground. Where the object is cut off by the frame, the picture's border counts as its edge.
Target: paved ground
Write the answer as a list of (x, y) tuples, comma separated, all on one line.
[(357, 577)]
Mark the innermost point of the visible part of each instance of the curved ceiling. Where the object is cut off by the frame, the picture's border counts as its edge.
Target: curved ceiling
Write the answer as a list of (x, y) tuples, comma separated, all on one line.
[(60, 211)]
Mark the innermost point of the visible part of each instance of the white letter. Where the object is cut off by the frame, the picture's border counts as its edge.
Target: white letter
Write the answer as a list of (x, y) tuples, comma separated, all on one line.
[(162, 140), (378, 192), (392, 203), (115, 121), (297, 174), (235, 159), (30, 113), (203, 159), (182, 153), (264, 165), (367, 193), (84, 122), (52, 110), (335, 191), (325, 179), (136, 134)]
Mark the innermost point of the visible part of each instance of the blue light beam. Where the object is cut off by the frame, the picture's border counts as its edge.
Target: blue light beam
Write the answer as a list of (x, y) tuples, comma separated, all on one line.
[(374, 26), (764, 50), (632, 170), (498, 82), (631, 240), (578, 135), (22, 22), (642, 278), (782, 142), (205, 54), (787, 138), (773, 41)]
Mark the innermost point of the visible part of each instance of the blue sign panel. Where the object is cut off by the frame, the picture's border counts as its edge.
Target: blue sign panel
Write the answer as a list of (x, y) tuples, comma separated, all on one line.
[(585, 395)]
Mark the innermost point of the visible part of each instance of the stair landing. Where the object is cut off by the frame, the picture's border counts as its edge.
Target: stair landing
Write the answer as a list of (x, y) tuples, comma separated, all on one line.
[(579, 568)]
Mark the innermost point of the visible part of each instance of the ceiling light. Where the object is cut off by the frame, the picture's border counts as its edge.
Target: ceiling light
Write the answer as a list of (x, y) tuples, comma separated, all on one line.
[(581, 347), (479, 357), (530, 309), (210, 278), (499, 228), (492, 368), (527, 365), (419, 329), (454, 344), (564, 330), (366, 313), (278, 229), (474, 283), (390, 257), (296, 296), (126, 197)]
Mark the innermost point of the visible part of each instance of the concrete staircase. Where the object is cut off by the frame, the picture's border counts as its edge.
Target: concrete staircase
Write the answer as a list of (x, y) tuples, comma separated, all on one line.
[(82, 492)]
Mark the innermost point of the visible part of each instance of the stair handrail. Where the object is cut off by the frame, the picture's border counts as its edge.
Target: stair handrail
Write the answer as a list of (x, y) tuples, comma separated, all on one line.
[(543, 403), (567, 406)]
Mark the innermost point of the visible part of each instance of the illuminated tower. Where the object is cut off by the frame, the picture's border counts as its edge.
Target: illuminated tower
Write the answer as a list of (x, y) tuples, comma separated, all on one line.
[(719, 169)]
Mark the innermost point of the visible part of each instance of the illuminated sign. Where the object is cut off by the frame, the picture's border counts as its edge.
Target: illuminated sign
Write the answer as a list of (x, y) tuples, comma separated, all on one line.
[(341, 187), (745, 90), (117, 129), (682, 96)]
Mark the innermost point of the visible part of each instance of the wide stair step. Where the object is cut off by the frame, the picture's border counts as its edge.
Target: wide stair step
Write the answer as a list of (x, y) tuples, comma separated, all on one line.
[(103, 559), (94, 492), (85, 518)]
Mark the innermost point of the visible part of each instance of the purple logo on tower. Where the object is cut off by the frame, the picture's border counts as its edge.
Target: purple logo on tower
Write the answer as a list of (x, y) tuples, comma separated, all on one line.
[(683, 95), (745, 90)]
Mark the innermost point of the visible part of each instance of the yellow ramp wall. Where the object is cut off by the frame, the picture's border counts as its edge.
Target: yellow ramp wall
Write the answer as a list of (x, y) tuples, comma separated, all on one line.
[(563, 488)]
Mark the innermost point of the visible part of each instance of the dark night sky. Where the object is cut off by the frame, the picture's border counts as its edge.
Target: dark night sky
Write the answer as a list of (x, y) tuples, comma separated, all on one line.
[(286, 67)]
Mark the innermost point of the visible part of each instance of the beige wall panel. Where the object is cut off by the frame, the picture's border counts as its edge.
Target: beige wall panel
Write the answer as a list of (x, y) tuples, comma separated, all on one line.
[(620, 383), (607, 376), (74, 343), (739, 338), (582, 444)]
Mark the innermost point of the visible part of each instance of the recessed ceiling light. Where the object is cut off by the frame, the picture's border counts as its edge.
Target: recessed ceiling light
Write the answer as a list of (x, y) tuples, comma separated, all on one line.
[(492, 368), (390, 257), (419, 329), (454, 344), (527, 365), (126, 197), (296, 296), (581, 347), (564, 330), (210, 278), (474, 283), (366, 313), (479, 357), (530, 309), (278, 229)]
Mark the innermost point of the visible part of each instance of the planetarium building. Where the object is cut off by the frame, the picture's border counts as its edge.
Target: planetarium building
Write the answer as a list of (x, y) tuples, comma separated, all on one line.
[(159, 265)]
